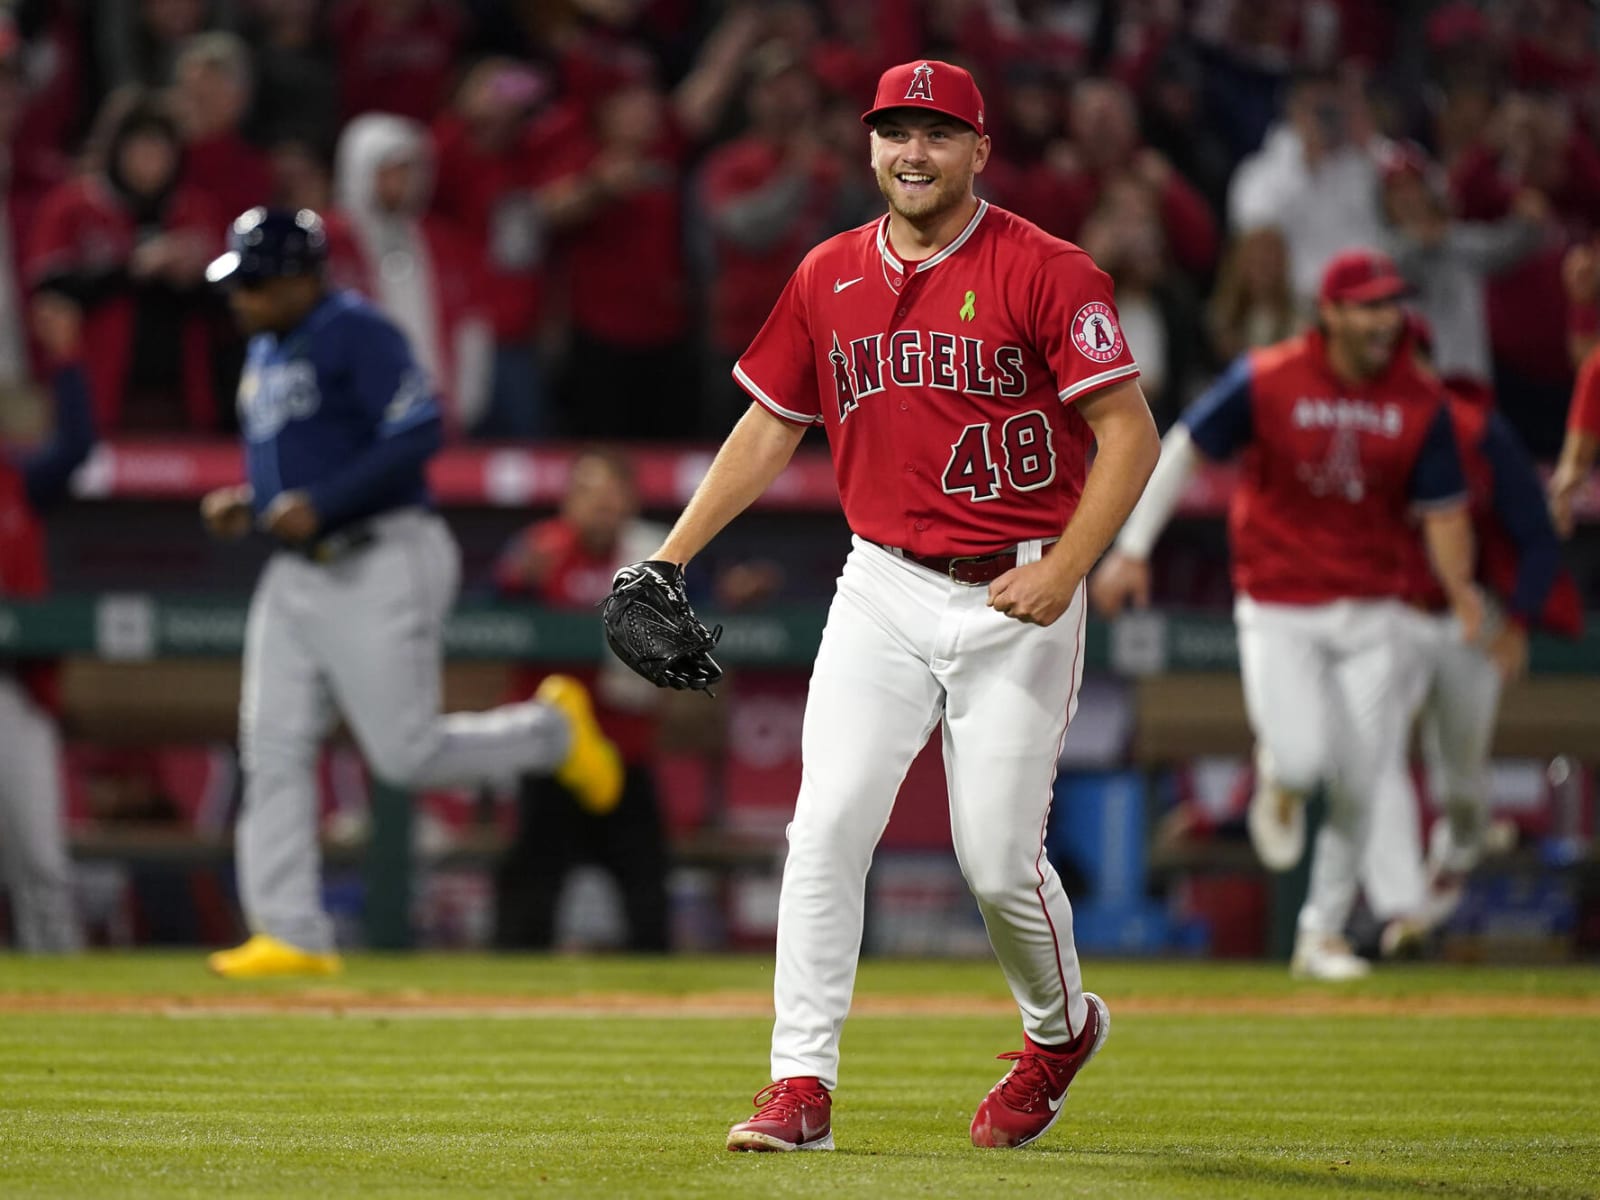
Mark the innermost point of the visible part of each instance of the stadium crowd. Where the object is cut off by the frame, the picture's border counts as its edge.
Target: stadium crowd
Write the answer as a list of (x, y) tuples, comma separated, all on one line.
[(580, 210)]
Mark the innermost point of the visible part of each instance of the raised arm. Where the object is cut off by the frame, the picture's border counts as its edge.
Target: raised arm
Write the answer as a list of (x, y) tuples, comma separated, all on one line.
[(1214, 426)]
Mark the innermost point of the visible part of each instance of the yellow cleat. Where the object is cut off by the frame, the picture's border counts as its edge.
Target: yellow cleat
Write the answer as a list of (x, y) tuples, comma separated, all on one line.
[(593, 768), (264, 957)]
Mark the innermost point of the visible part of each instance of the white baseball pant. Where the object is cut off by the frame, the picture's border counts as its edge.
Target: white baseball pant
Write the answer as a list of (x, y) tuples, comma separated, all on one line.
[(1324, 690), (1454, 690), (363, 634), (903, 648), (33, 831)]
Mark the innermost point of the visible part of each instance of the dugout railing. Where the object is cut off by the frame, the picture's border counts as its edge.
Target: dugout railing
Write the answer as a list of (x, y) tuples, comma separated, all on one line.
[(140, 667)]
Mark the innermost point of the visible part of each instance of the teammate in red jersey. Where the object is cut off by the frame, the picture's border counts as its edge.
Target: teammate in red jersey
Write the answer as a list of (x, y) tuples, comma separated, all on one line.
[(1580, 273), (961, 362), (1340, 438), (1455, 685), (1582, 443)]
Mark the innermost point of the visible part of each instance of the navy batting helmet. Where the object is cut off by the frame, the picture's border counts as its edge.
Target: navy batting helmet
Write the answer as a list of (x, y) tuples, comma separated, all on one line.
[(265, 243)]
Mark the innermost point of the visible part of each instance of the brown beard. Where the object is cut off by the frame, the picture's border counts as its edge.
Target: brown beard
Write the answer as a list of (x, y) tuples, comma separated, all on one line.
[(943, 197)]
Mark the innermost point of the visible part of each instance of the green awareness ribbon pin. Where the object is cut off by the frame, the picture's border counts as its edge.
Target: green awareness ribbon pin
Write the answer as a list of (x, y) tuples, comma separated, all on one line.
[(969, 309)]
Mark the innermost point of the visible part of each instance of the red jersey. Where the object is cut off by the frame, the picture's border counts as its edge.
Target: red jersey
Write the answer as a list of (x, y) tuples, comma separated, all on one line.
[(1584, 415), (627, 275), (82, 229), (22, 563), (490, 198), (946, 387), (1330, 471), (23, 574)]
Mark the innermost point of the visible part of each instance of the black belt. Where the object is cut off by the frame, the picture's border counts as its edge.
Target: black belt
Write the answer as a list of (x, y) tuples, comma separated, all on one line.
[(971, 569), (338, 545)]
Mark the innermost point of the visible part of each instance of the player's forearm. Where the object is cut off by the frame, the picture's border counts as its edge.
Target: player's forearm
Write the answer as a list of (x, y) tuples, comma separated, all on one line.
[(370, 478), (1144, 526), (1127, 453), (754, 454), (1578, 453), (1447, 533)]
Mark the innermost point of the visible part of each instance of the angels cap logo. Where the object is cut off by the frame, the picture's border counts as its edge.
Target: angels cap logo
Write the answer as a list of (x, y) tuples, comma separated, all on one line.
[(921, 84), (1096, 334)]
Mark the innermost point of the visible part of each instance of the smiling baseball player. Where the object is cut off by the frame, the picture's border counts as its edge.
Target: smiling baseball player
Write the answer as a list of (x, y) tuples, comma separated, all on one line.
[(338, 422), (962, 363)]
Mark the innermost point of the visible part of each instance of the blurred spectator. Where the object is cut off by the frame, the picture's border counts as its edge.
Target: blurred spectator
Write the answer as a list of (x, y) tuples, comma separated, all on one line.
[(395, 56), (1175, 123), (1554, 47), (491, 149), (25, 178), (297, 93), (1252, 305), (1532, 142), (615, 196), (768, 197), (1447, 261), (44, 46), (1060, 193), (1158, 314), (211, 97), (1315, 178), (384, 242), (137, 41), (1245, 51), (567, 562), (300, 177), (1031, 114), (128, 245)]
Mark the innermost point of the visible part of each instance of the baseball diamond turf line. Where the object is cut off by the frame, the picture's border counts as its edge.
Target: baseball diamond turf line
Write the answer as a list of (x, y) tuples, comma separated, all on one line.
[(121, 1076)]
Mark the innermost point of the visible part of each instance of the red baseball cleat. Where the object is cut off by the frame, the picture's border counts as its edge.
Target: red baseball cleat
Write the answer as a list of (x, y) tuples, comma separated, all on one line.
[(1028, 1100), (791, 1114)]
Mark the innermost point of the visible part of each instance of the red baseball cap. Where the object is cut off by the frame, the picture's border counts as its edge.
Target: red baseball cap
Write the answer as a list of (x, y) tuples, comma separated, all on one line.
[(1362, 277), (928, 83)]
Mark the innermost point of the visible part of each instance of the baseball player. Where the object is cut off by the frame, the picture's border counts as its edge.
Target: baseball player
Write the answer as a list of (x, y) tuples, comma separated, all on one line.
[(1341, 438), (33, 844), (338, 422), (1582, 443), (962, 363), (1580, 273), (1455, 685)]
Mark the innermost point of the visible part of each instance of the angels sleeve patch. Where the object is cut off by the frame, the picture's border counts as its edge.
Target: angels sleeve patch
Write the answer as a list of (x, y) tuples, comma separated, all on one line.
[(1095, 332)]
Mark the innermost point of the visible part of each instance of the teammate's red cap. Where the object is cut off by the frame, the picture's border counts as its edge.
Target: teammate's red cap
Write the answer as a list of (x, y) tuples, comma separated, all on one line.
[(1362, 277), (928, 83)]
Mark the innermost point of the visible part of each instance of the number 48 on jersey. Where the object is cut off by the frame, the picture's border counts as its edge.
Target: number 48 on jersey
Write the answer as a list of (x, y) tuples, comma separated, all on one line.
[(1026, 459)]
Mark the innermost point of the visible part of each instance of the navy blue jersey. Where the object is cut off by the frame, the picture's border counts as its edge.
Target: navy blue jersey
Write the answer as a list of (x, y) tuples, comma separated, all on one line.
[(338, 408)]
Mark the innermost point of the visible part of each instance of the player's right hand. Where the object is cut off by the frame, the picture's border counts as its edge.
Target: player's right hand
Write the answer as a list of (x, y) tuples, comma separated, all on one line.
[(226, 512), (1564, 485), (1120, 581), (1508, 650)]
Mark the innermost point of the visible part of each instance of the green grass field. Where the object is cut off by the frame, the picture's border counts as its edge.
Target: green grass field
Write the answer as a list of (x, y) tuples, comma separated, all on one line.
[(122, 1076)]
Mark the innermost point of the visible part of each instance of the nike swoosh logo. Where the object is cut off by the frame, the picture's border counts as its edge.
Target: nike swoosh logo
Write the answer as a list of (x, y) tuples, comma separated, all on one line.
[(1055, 1105), (839, 285)]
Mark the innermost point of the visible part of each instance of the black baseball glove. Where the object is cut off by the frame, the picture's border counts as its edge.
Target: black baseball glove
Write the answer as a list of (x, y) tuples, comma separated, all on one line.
[(651, 627)]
